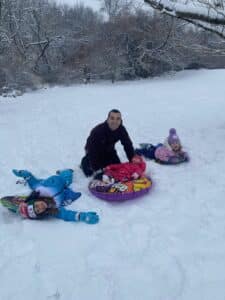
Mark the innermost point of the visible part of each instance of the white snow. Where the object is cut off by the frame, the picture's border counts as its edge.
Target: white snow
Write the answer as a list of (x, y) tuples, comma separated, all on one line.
[(195, 8), (167, 245)]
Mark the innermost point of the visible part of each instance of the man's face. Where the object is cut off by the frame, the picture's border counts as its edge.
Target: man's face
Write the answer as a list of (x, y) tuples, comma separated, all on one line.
[(114, 120)]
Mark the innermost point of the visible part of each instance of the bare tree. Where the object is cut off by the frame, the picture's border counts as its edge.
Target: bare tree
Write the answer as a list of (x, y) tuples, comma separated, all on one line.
[(115, 7), (207, 14), (43, 42)]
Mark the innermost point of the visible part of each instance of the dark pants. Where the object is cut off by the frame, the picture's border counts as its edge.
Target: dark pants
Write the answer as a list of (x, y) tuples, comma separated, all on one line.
[(148, 151), (108, 159)]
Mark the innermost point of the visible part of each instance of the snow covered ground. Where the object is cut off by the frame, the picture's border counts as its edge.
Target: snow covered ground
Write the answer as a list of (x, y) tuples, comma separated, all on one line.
[(167, 245)]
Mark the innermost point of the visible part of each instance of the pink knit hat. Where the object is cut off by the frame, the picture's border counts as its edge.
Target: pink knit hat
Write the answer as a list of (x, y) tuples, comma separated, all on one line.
[(173, 137)]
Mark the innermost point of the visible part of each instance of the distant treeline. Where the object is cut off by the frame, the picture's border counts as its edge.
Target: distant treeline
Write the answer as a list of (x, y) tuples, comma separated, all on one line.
[(41, 42)]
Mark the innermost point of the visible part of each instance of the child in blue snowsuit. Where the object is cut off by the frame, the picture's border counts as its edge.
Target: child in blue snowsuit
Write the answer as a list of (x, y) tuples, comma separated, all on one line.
[(37, 207), (49, 197)]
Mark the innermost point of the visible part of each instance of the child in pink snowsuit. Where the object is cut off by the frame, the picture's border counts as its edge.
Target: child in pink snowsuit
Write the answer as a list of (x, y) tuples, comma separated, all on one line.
[(171, 151)]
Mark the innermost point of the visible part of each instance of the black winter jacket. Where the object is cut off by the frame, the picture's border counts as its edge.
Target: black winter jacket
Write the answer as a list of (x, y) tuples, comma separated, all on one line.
[(101, 144)]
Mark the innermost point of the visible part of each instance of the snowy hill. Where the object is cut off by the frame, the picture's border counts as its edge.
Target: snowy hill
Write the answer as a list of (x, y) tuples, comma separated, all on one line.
[(167, 245)]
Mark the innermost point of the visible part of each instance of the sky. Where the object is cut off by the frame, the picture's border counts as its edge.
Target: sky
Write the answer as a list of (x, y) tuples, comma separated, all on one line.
[(95, 4)]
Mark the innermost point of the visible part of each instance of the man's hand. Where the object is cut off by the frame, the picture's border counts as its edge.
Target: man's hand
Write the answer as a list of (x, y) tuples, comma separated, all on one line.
[(98, 174)]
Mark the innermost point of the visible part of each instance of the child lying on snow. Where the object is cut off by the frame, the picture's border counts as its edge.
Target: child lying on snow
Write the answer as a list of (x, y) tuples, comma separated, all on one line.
[(37, 207), (48, 198), (170, 152), (124, 171)]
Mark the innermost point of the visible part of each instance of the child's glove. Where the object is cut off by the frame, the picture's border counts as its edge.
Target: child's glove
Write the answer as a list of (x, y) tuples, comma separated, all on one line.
[(88, 217), (135, 175)]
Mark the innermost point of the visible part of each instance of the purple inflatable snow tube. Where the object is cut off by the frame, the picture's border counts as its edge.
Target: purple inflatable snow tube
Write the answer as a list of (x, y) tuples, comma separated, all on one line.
[(120, 196)]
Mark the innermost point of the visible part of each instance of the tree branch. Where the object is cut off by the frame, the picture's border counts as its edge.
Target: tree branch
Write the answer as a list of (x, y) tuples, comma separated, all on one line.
[(202, 15), (201, 12)]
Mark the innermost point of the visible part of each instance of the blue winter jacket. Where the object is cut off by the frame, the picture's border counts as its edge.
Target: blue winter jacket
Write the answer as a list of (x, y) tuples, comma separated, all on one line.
[(67, 215)]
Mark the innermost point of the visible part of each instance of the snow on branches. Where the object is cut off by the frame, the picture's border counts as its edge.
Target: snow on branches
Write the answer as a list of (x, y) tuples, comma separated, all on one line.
[(207, 14)]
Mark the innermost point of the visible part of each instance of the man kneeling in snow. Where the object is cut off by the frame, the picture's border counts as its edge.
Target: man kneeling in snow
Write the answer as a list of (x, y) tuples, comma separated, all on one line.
[(100, 145)]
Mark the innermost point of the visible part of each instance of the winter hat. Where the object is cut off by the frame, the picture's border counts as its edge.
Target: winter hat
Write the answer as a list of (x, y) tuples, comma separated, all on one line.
[(173, 137), (27, 211), (137, 159)]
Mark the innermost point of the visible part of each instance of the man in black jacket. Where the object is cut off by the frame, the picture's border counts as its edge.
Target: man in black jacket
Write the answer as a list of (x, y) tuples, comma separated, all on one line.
[(100, 145)]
